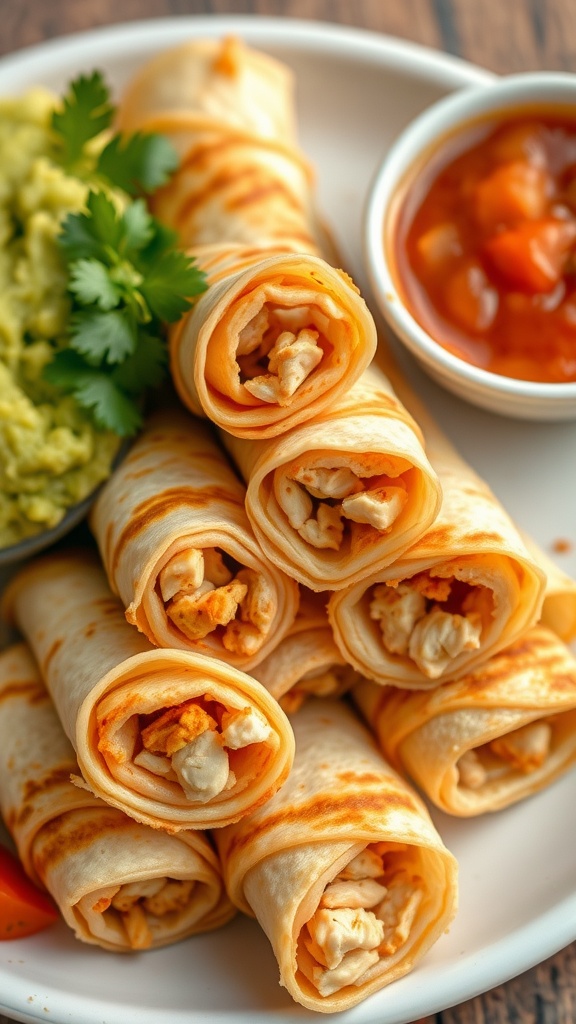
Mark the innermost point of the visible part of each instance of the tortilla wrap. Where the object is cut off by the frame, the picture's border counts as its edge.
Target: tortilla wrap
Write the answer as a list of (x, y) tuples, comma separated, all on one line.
[(280, 333), (343, 494), (179, 550), (175, 739), (343, 868), (489, 739), (117, 883), (468, 588)]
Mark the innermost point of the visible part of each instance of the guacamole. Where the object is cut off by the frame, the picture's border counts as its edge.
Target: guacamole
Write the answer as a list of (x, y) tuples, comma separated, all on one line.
[(51, 454)]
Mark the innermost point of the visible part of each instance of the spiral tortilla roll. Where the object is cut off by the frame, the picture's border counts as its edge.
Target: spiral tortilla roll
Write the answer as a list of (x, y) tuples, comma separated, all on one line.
[(117, 883), (179, 550), (343, 868), (347, 492), (174, 739), (489, 739), (280, 333), (464, 591)]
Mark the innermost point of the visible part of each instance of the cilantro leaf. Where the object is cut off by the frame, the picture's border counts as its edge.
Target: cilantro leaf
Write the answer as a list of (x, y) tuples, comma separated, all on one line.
[(170, 284), (86, 112), (108, 336), (139, 228), (137, 163), (96, 391), (90, 282), (145, 368)]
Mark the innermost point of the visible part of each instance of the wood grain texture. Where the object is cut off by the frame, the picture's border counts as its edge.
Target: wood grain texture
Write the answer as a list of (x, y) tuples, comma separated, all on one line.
[(504, 35)]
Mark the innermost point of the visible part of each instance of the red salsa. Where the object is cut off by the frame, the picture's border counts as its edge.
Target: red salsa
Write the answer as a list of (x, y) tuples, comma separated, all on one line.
[(485, 247)]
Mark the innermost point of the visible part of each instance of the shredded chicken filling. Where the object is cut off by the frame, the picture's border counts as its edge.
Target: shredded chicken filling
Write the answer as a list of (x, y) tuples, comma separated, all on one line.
[(136, 902), (189, 745), (522, 750), (417, 620), (323, 502), (202, 594), (365, 914), (279, 349)]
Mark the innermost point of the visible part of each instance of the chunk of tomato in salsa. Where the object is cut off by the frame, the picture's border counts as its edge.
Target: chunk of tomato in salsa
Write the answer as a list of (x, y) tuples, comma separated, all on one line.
[(486, 256)]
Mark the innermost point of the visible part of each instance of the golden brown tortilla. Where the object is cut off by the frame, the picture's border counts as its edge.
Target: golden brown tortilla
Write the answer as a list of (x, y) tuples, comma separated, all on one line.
[(343, 868), (489, 739), (280, 334), (179, 550), (118, 884), (175, 739)]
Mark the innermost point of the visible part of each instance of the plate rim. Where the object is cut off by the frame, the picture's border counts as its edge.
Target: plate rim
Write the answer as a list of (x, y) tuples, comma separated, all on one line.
[(394, 53)]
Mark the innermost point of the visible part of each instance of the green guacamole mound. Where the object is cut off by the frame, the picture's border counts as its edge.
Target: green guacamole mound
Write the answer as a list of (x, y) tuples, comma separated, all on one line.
[(51, 454)]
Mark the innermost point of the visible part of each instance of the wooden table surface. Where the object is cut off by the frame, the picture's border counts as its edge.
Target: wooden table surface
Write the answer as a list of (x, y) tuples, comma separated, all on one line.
[(502, 35)]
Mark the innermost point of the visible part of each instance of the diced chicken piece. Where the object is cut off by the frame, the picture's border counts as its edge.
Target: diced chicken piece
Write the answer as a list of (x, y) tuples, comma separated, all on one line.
[(367, 864), (155, 763), (471, 773), (198, 614), (242, 728), (242, 638), (323, 482), (398, 911), (215, 569), (183, 573), (397, 610), (294, 500), (291, 360), (526, 748), (348, 972), (177, 727), (256, 606), (202, 767), (439, 637), (265, 387), (129, 893), (251, 336), (247, 632), (173, 895), (136, 927), (338, 932), (379, 508), (326, 530), (355, 893)]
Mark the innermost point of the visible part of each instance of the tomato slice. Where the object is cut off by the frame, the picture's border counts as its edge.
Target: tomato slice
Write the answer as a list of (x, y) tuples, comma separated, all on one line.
[(24, 909)]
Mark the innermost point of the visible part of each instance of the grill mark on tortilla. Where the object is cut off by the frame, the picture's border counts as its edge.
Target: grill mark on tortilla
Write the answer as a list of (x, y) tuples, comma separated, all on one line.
[(323, 811)]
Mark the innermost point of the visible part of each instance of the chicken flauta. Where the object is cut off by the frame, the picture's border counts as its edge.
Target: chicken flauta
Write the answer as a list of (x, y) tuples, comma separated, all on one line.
[(135, 903), (201, 593), (333, 498), (365, 914), (190, 745), (414, 622), (522, 750)]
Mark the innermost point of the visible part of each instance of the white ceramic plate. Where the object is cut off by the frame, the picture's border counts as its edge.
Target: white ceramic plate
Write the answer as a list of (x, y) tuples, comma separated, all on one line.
[(518, 905)]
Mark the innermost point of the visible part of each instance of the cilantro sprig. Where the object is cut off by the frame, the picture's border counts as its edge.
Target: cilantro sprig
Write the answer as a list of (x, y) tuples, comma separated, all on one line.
[(127, 278)]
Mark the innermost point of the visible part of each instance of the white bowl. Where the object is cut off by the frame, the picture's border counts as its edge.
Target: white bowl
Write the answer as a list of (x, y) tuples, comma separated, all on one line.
[(420, 142)]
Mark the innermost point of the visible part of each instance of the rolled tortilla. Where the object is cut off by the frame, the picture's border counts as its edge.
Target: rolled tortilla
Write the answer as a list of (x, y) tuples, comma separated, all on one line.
[(489, 739), (176, 740), (117, 883), (307, 663), (345, 493), (343, 868), (464, 591), (179, 550), (280, 333)]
